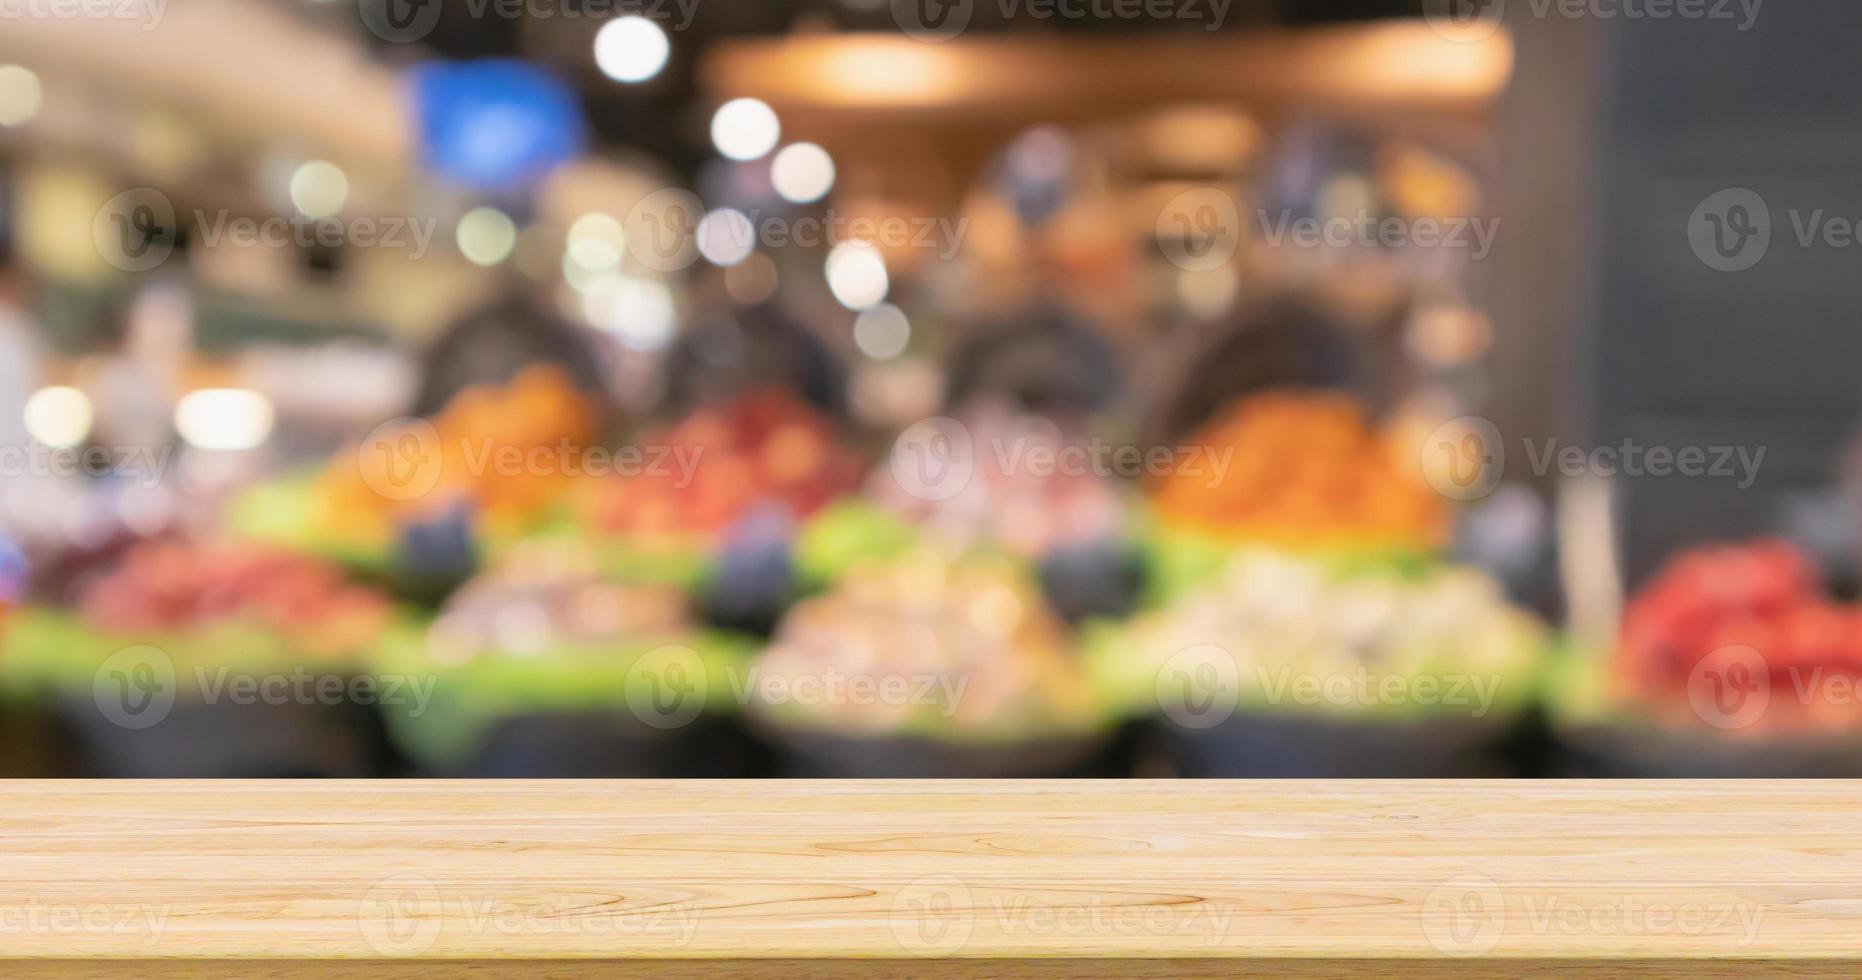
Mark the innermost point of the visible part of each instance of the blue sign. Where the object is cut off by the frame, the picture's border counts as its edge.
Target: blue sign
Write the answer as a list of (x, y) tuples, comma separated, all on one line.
[(495, 125)]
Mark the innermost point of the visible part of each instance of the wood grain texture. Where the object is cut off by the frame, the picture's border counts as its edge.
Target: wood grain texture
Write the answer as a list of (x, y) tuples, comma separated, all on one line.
[(1092, 878)]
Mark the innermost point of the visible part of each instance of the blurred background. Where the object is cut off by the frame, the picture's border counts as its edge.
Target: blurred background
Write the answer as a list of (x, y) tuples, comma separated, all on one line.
[(927, 388)]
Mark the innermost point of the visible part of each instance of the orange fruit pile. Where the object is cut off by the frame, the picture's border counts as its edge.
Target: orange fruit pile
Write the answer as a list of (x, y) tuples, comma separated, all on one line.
[(508, 451), (1303, 469)]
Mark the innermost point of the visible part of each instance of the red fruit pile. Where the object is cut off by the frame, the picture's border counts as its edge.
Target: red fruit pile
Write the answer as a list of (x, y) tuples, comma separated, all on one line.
[(168, 587), (1764, 600), (703, 474)]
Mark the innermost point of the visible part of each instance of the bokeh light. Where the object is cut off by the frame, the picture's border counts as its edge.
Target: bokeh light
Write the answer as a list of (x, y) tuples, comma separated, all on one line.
[(882, 332), (857, 275), (226, 419), (20, 95), (58, 416), (486, 236), (802, 173), (319, 189), (744, 129), (631, 49)]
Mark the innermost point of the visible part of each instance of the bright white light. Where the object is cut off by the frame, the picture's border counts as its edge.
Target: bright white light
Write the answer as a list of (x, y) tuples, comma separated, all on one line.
[(594, 255), (486, 236), (20, 95), (744, 129), (725, 237), (638, 312), (597, 225), (882, 332), (319, 188), (631, 49), (802, 172), (856, 275), (595, 245), (228, 419), (59, 417)]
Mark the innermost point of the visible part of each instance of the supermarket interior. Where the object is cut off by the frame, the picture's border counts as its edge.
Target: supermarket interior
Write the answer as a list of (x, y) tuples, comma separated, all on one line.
[(912, 388)]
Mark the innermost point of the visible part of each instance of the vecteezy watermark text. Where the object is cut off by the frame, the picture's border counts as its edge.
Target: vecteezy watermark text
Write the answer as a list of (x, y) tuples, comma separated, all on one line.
[(1471, 914), (1733, 229), (407, 458), (936, 915), (137, 688), (1203, 686), (404, 914), (936, 458), (148, 13), (1465, 459), (1467, 21), (1201, 229), (34, 916), (670, 229), (144, 466), (1364, 229), (941, 20), (138, 229)]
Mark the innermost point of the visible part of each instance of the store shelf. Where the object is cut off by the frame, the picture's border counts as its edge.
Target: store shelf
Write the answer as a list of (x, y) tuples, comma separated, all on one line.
[(865, 878)]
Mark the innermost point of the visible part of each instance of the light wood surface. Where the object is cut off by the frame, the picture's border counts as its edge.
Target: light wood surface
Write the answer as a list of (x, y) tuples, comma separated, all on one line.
[(1085, 878)]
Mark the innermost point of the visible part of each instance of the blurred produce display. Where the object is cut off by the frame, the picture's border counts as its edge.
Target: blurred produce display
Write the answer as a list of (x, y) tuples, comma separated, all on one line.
[(764, 452), (1732, 662), (1721, 622), (220, 601), (497, 459), (1034, 488), (1307, 470), (1278, 617), (544, 636), (959, 650), (759, 418), (1297, 665), (211, 660)]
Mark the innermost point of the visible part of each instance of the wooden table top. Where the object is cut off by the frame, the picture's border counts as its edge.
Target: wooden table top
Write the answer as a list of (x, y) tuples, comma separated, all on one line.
[(1128, 878)]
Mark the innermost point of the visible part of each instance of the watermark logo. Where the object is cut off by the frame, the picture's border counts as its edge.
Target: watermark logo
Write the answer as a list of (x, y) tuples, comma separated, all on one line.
[(401, 459), (667, 687), (941, 20), (406, 459), (1733, 230), (35, 916), (135, 687), (1199, 687), (1469, 21), (937, 458), (407, 21), (669, 230), (1464, 458), (933, 915), (1730, 688), (1730, 230), (148, 13), (932, 20), (401, 915), (1464, 21), (1465, 915), (1199, 229), (661, 229), (136, 230), (399, 21), (142, 466), (1470, 914), (933, 459)]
